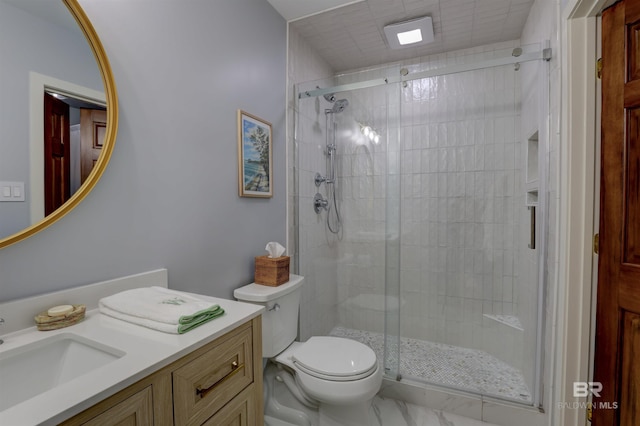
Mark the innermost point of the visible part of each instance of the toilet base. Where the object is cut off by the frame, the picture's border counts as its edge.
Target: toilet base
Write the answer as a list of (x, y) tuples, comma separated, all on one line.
[(282, 408)]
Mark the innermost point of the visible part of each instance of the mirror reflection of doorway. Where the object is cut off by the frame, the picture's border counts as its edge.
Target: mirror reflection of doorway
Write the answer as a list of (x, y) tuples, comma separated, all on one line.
[(73, 134), (57, 153)]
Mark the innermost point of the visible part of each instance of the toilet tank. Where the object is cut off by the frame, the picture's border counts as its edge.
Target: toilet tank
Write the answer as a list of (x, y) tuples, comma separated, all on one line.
[(280, 319)]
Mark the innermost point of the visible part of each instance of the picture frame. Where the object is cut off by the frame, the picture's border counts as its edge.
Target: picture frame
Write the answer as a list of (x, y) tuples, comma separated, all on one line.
[(255, 156)]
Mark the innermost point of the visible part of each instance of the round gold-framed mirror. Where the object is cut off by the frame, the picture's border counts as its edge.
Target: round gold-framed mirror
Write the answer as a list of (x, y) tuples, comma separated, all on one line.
[(107, 138)]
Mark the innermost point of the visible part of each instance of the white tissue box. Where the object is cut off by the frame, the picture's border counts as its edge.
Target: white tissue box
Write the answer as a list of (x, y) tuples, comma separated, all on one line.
[(272, 271)]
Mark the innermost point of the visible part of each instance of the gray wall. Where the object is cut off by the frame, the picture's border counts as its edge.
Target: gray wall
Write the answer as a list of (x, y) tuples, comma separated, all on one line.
[(169, 195)]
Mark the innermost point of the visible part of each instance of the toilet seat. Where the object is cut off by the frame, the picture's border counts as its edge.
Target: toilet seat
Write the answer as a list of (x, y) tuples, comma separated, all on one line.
[(340, 392), (333, 389), (335, 359)]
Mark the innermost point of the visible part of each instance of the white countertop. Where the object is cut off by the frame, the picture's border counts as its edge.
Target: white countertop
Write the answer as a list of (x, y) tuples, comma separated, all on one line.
[(146, 351)]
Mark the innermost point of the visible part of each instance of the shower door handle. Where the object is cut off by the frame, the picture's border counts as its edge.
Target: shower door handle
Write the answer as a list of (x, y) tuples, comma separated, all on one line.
[(532, 236)]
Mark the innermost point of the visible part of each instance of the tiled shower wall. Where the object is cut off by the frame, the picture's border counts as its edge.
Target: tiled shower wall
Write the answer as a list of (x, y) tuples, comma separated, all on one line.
[(461, 162)]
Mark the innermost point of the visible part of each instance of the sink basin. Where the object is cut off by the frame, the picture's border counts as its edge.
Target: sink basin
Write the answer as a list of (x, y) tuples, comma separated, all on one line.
[(37, 367)]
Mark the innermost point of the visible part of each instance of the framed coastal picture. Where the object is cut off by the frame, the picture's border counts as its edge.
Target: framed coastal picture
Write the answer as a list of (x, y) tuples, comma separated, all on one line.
[(255, 158)]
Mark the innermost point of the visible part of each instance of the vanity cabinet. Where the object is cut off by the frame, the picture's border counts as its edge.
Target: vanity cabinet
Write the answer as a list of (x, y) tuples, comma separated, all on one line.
[(218, 384)]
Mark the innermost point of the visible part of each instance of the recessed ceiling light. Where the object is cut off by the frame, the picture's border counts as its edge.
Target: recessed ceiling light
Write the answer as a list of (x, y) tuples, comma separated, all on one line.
[(410, 37), (415, 32)]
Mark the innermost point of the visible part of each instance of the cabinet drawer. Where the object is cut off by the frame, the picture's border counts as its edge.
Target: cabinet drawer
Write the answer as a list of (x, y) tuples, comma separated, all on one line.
[(239, 412), (204, 385)]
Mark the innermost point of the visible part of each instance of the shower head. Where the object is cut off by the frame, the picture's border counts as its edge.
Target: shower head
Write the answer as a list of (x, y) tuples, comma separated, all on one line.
[(330, 97), (338, 106)]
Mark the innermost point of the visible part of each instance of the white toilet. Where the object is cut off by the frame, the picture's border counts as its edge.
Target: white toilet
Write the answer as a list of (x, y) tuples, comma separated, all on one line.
[(323, 381)]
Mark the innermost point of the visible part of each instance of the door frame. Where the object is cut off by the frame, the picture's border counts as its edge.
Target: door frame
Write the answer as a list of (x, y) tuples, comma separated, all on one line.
[(38, 83), (578, 203)]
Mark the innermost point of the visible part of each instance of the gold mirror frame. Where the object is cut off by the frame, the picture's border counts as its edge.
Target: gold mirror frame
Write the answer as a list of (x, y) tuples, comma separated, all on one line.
[(109, 138)]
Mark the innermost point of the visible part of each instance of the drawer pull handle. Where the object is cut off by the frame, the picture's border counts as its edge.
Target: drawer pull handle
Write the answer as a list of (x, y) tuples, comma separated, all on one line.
[(235, 367)]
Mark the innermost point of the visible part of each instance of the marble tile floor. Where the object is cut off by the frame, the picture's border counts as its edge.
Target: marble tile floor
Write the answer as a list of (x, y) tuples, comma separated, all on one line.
[(461, 368), (392, 412)]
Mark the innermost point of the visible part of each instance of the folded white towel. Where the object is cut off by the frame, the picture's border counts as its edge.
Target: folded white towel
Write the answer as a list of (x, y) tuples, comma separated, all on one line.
[(157, 304), (155, 325)]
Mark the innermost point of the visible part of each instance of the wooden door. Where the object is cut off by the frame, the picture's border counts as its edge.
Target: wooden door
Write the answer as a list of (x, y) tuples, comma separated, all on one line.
[(617, 351), (93, 126), (57, 154)]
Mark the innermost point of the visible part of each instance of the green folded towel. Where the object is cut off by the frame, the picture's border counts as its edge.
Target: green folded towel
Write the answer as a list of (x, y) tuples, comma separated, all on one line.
[(212, 310), (189, 322)]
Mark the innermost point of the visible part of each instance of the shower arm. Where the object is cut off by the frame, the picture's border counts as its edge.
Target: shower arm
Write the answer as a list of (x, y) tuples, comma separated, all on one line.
[(318, 179)]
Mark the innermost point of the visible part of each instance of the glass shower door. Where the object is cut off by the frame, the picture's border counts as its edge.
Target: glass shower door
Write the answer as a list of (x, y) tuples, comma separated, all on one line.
[(393, 235), (358, 267)]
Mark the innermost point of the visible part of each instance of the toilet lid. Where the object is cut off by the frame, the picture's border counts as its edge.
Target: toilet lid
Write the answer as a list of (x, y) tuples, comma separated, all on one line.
[(335, 358)]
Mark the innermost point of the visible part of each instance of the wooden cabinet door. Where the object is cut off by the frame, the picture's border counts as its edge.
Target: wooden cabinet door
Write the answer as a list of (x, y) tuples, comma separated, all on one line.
[(617, 352), (238, 412), (137, 410)]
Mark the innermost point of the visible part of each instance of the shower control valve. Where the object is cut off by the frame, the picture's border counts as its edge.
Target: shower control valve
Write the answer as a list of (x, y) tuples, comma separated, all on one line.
[(320, 203)]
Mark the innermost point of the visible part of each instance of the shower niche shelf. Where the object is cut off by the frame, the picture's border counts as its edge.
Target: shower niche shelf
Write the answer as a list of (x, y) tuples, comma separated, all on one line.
[(532, 171)]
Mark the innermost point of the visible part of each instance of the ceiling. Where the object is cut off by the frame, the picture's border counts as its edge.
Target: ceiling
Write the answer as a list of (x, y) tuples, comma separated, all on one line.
[(296, 9), (352, 36)]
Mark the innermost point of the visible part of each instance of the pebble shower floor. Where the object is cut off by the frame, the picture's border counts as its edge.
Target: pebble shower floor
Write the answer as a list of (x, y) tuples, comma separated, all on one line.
[(461, 368)]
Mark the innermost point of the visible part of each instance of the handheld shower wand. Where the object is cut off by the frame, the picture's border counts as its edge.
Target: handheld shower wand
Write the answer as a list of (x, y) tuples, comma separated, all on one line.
[(331, 203)]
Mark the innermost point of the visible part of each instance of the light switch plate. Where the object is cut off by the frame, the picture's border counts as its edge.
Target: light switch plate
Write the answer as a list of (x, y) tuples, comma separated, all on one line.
[(11, 191)]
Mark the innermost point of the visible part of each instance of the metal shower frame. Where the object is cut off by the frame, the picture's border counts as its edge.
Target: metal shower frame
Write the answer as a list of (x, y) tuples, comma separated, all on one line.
[(544, 54)]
